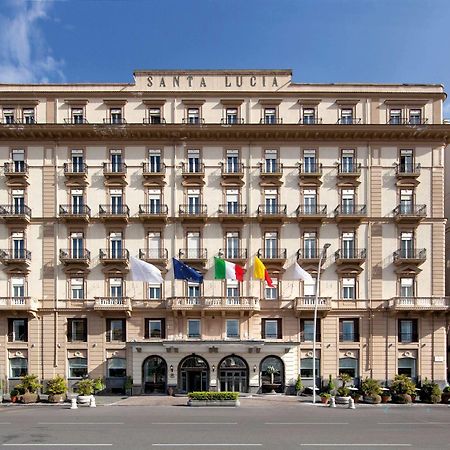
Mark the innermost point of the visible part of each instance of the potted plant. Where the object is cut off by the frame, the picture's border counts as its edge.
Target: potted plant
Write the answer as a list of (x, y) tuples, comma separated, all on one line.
[(128, 385), (213, 399), (356, 396), (372, 390), (445, 398), (386, 396), (325, 397), (56, 389), (430, 392), (14, 394), (331, 388), (298, 385), (29, 385), (98, 385), (343, 392), (271, 371), (402, 389), (85, 390)]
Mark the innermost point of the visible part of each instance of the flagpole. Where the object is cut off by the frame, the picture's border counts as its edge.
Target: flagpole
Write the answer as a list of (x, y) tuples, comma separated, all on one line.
[(316, 299)]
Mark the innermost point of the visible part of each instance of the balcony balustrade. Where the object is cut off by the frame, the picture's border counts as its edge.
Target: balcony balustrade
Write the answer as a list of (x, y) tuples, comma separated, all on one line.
[(18, 303), (20, 214), (350, 213), (311, 213), (193, 212), (409, 213), (74, 256), (153, 212), (409, 256), (69, 213), (113, 212), (213, 304), (420, 303)]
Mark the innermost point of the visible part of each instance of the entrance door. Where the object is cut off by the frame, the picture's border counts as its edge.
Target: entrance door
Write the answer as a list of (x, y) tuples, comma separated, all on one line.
[(233, 374), (155, 375), (194, 374)]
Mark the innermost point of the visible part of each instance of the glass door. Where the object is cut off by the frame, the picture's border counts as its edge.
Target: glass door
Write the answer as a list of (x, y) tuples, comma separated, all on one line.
[(193, 244), (18, 245), (77, 245)]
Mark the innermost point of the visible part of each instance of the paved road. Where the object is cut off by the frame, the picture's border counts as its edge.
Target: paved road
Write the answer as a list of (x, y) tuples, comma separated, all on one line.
[(256, 424)]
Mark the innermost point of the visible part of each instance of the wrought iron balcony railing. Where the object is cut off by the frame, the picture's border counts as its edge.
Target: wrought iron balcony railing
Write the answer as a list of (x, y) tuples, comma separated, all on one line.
[(16, 168), (272, 253)]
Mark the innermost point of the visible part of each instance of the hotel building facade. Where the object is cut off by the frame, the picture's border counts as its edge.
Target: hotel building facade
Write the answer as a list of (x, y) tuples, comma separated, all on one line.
[(236, 164)]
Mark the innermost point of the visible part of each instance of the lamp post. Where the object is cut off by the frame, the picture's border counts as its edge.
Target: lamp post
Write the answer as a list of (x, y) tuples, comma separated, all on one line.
[(316, 300)]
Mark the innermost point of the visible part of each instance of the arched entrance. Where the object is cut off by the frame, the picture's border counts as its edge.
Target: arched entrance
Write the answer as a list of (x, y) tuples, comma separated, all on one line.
[(233, 374), (194, 374), (154, 375), (271, 373)]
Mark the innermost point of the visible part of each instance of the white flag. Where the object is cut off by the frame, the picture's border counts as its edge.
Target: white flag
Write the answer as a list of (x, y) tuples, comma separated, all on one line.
[(143, 271), (301, 274)]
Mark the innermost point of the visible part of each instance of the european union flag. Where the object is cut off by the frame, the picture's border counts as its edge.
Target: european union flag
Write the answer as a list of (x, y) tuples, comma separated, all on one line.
[(184, 272)]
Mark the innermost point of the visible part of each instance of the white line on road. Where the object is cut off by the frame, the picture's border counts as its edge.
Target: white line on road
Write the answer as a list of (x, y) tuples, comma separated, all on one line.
[(306, 423), (194, 423), (207, 445), (5, 423), (355, 445), (80, 423), (57, 445), (414, 423)]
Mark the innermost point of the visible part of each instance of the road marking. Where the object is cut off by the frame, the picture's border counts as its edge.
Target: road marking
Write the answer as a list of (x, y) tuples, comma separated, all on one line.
[(414, 423), (5, 423), (355, 445), (57, 445), (194, 423), (207, 445), (80, 423), (306, 423)]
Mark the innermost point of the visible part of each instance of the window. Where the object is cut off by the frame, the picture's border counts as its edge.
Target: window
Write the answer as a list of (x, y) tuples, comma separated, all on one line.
[(232, 201), (154, 116), (309, 116), (347, 116), (193, 115), (117, 368), (270, 116), (271, 161), (17, 287), (18, 199), (115, 115), (28, 115), (77, 158), (271, 244), (17, 330), (116, 287), (271, 293), (406, 244), (406, 287), (116, 160), (309, 291), (194, 328), (349, 288), (406, 201), (18, 367), (395, 116), (306, 368), (154, 244), (193, 292), (194, 164), (415, 116), (115, 330), (348, 201), (348, 244), (232, 292), (18, 157), (8, 116), (231, 116), (154, 201), (115, 245), (348, 161), (407, 330), (307, 330), (116, 198), (232, 161), (271, 329), (154, 291), (76, 245), (77, 201), (155, 328), (77, 115), (154, 160), (77, 330), (193, 244), (348, 330), (406, 161), (78, 368), (309, 161), (77, 288), (193, 199), (407, 366), (232, 328), (18, 245), (349, 366), (232, 244), (309, 244), (271, 201), (310, 201)]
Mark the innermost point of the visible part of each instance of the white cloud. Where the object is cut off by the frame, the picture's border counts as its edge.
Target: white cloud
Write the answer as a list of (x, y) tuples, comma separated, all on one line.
[(25, 56)]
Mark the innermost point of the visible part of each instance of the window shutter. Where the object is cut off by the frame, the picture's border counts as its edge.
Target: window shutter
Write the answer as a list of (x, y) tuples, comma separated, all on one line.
[(84, 330), (108, 330), (124, 330), (69, 330), (318, 337), (356, 326), (163, 328), (279, 330), (399, 330), (10, 330), (415, 330), (25, 334), (341, 329), (146, 331), (263, 328)]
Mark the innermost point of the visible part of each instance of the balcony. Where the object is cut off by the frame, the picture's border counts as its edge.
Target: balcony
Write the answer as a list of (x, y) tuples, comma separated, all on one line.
[(193, 174), (419, 303), (408, 213), (154, 120), (20, 214), (232, 121), (16, 257), (114, 121), (350, 213), (114, 213), (232, 213), (310, 256), (410, 256), (349, 257), (310, 120), (407, 170), (349, 171), (153, 174), (119, 257), (273, 259), (75, 258), (397, 120), (76, 120), (197, 257), (236, 255), (231, 304), (270, 173), (272, 213), (306, 303), (153, 213), (193, 213), (113, 304), (115, 173), (270, 120), (75, 174), (156, 256), (311, 213), (22, 303), (349, 121), (310, 173), (16, 173), (232, 174), (74, 213), (193, 121)]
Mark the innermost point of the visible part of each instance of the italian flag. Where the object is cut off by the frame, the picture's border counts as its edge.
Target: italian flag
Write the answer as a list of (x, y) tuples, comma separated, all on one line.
[(227, 270)]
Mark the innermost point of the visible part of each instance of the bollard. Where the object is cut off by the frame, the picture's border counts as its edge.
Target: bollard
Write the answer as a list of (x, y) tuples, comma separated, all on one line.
[(92, 403), (332, 402), (73, 403), (351, 404)]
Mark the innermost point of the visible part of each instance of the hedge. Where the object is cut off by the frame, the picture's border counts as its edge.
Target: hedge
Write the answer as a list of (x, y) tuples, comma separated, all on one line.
[(213, 395)]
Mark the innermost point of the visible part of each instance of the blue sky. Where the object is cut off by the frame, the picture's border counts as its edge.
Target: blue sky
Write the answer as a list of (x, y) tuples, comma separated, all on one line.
[(321, 40)]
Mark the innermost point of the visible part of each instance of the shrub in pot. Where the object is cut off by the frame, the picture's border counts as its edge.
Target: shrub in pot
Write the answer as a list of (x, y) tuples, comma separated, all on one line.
[(385, 396), (29, 387), (298, 384), (430, 392), (372, 390), (14, 394), (446, 395), (128, 385), (98, 385), (402, 389), (325, 397), (85, 390), (343, 392), (57, 389)]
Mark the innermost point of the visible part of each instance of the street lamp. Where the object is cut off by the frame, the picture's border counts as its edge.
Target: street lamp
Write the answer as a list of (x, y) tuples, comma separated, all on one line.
[(316, 301)]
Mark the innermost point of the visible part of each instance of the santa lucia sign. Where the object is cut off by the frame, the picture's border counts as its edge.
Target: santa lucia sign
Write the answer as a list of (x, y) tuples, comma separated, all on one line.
[(264, 80)]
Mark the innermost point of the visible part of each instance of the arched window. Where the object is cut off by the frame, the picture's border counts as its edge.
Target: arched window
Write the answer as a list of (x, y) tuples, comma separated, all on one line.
[(233, 374), (194, 374), (154, 375), (272, 374)]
